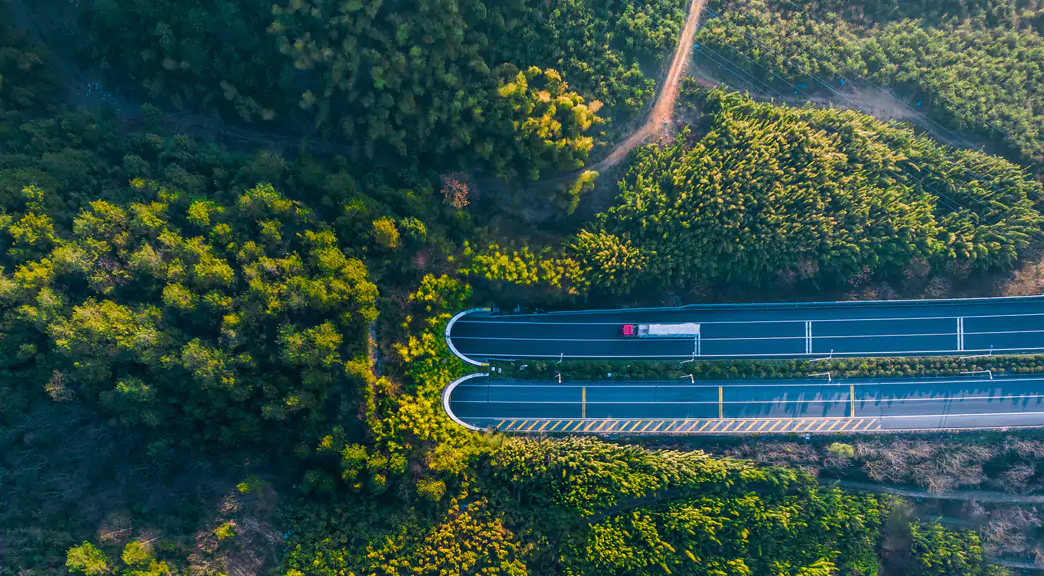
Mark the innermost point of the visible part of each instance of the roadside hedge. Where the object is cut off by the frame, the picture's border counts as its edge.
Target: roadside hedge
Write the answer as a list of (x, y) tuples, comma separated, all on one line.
[(767, 369)]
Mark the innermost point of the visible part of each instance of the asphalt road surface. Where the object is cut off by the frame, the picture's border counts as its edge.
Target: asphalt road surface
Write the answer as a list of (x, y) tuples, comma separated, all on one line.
[(798, 330), (836, 406)]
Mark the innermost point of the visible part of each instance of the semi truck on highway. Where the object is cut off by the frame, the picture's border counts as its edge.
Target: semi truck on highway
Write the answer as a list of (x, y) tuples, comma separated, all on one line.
[(685, 330)]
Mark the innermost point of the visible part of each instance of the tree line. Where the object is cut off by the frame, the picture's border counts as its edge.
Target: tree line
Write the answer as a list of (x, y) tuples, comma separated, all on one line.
[(973, 65), (510, 88), (775, 194)]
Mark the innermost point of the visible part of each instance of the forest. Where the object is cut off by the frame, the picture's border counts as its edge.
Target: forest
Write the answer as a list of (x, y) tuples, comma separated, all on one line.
[(232, 233), (783, 195), (460, 83), (975, 65)]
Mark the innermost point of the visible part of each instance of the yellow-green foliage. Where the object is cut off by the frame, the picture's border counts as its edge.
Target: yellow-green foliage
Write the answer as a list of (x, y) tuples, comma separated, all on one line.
[(164, 327), (774, 193), (975, 65), (523, 268), (583, 184)]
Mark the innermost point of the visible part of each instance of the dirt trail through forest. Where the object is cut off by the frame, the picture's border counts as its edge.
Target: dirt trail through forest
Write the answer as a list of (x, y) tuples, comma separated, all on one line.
[(982, 496), (663, 108), (962, 495)]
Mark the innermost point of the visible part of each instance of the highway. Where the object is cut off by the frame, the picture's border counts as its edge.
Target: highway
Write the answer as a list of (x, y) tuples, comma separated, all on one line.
[(729, 407), (790, 330)]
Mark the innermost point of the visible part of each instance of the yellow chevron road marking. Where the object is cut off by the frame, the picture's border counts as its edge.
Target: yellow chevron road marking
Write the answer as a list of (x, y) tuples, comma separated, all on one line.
[(693, 426)]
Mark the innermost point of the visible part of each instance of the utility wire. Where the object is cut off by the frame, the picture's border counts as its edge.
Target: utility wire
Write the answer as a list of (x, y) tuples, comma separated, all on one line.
[(998, 214)]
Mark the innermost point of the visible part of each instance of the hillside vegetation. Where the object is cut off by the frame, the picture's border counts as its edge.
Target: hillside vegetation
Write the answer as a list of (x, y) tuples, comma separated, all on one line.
[(514, 88), (774, 194), (219, 359), (976, 65)]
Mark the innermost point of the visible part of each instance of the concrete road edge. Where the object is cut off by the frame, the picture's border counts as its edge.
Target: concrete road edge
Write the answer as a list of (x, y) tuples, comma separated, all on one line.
[(448, 390), (449, 341)]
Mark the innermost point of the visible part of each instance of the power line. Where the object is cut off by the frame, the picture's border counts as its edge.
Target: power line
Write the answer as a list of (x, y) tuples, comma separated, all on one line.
[(999, 215), (949, 202), (946, 200), (977, 176)]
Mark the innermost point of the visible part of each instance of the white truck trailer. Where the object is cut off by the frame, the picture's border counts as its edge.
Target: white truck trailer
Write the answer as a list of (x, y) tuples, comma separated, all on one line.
[(684, 330)]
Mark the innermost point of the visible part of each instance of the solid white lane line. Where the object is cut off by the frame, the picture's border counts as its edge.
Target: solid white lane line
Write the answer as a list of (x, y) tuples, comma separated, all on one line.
[(494, 320), (840, 400), (960, 333), (837, 354), (529, 384)]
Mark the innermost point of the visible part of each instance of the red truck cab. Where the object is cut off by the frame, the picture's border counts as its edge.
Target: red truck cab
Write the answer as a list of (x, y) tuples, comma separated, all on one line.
[(630, 330)]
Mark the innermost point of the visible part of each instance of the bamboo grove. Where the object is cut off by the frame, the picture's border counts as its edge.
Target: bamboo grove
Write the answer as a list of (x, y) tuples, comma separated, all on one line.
[(776, 193), (975, 66), (439, 80)]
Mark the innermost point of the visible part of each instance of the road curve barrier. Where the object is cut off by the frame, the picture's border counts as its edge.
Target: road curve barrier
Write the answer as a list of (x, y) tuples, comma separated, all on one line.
[(449, 341), (448, 390)]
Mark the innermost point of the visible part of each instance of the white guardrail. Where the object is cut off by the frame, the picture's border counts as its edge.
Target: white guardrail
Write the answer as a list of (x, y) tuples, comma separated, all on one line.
[(448, 390), (449, 341)]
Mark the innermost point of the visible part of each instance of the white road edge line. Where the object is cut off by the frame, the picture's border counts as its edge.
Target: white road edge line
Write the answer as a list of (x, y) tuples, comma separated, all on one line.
[(998, 379), (869, 353), (756, 402), (809, 304), (960, 335), (508, 319), (448, 390), (449, 341)]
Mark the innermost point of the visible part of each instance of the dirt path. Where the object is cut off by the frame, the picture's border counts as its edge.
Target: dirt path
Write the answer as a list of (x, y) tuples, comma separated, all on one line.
[(851, 486), (663, 108), (200, 126), (856, 94), (963, 495), (659, 116)]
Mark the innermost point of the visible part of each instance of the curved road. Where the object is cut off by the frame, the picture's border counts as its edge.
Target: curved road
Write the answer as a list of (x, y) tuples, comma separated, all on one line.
[(732, 331), (771, 406)]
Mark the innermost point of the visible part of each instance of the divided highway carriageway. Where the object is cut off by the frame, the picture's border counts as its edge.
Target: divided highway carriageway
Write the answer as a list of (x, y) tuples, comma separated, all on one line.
[(732, 407), (805, 330), (970, 327)]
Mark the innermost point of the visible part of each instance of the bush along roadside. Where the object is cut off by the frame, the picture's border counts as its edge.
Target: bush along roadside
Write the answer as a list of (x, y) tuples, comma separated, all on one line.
[(767, 369)]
